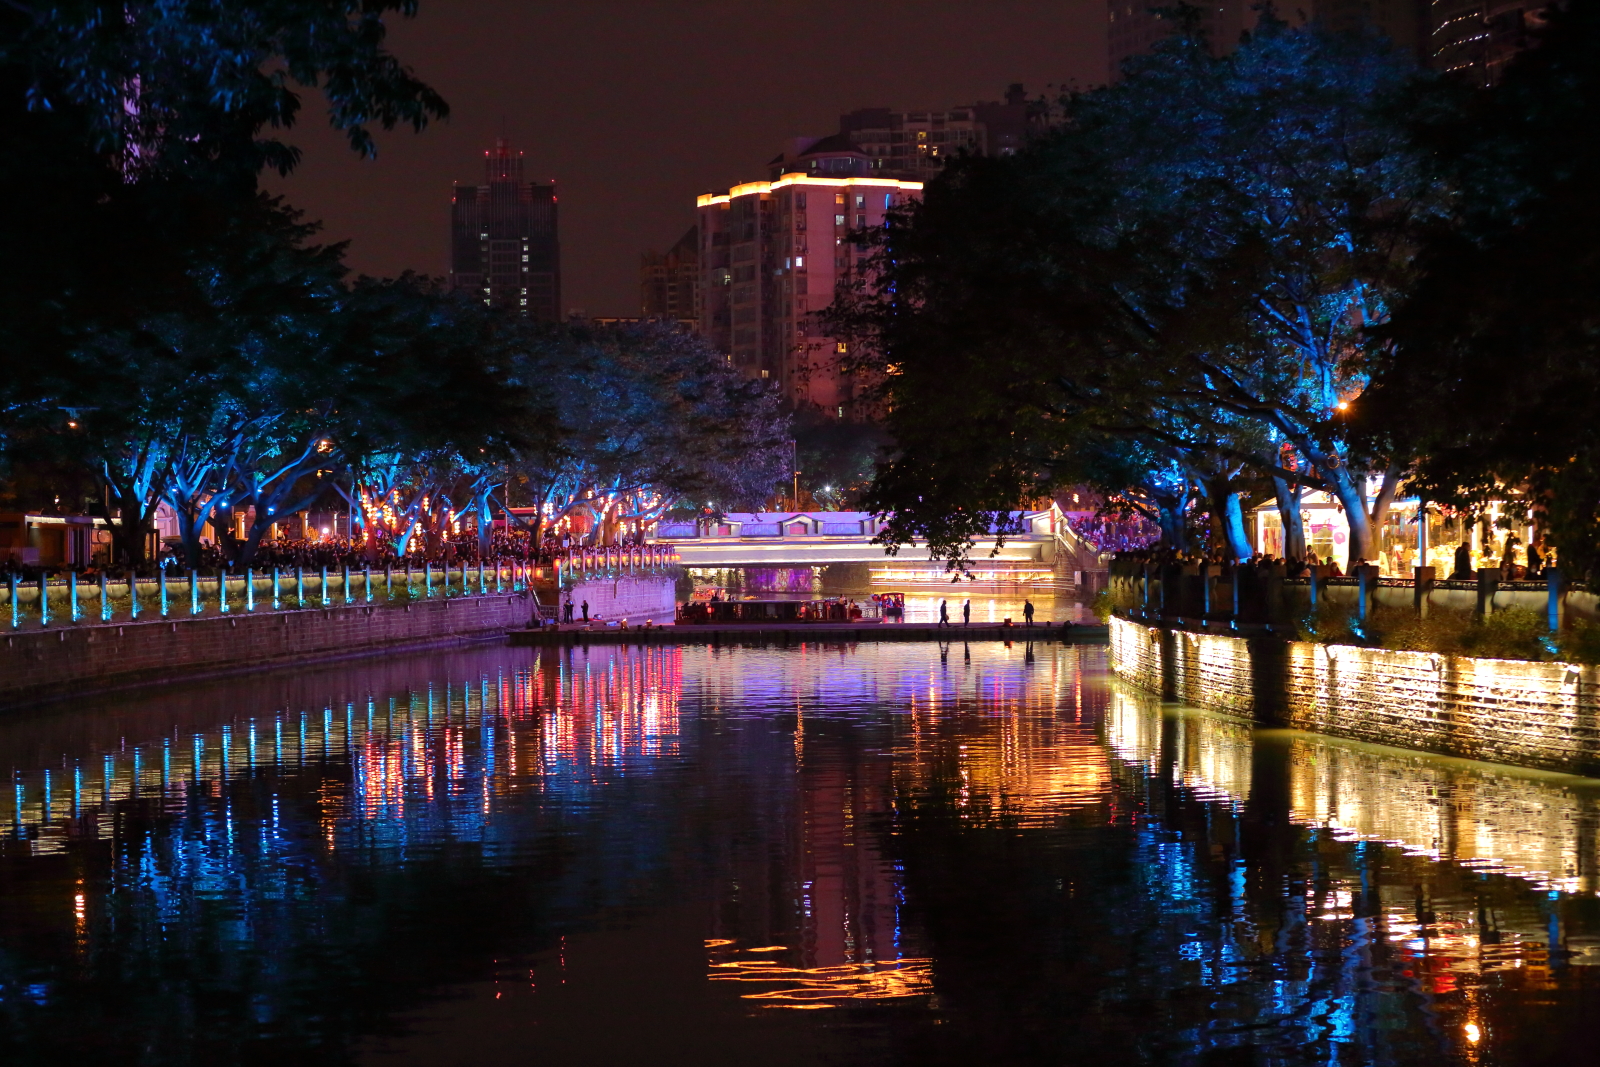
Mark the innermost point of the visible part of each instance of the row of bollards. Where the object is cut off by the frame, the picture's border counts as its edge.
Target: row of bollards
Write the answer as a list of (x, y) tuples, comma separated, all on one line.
[(357, 587)]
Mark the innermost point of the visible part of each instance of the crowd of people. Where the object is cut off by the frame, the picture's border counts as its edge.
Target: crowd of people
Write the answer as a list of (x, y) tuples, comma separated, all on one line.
[(1514, 566), (1115, 535), (505, 545)]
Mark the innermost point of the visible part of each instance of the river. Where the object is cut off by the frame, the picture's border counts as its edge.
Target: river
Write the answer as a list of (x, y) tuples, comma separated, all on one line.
[(890, 854)]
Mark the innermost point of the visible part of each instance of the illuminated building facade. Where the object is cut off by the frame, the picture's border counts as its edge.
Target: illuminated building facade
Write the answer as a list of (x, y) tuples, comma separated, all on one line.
[(669, 283), (772, 254), (914, 145), (1479, 37), (504, 247)]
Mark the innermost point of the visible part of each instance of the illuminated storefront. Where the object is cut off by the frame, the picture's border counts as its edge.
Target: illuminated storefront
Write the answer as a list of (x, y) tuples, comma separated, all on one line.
[(1327, 533)]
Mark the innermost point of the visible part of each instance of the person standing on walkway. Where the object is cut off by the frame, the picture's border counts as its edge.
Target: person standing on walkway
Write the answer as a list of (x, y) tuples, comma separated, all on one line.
[(1027, 612), (944, 613), (585, 611), (966, 613)]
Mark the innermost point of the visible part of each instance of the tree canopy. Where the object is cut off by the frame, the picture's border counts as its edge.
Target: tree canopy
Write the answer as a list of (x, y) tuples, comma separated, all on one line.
[(1169, 296)]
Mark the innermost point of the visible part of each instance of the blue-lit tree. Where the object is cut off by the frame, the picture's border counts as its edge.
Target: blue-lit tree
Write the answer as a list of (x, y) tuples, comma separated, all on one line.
[(1192, 261)]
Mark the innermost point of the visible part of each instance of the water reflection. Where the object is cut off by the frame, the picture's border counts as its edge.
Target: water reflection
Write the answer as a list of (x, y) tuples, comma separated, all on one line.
[(1534, 825), (903, 853)]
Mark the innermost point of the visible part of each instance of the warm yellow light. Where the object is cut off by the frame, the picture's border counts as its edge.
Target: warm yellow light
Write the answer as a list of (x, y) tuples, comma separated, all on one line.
[(1474, 1035), (751, 188), (1342, 405)]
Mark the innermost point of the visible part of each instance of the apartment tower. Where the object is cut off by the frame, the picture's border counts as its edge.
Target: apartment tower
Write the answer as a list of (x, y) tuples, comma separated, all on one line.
[(504, 248), (669, 283), (772, 254)]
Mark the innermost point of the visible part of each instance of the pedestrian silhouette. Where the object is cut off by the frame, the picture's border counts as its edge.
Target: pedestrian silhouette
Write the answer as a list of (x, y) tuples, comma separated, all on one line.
[(1027, 612), (944, 613), (966, 614), (585, 611), (567, 611)]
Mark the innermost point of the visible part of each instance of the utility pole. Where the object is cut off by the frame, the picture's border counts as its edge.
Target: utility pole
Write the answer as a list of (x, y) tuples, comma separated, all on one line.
[(794, 464)]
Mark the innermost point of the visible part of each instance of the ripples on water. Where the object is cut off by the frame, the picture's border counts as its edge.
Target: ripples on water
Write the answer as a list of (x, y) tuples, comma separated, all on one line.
[(880, 853)]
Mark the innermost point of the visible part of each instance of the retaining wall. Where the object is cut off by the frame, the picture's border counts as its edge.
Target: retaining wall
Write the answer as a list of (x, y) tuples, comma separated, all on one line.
[(624, 597), (44, 664), (1544, 715)]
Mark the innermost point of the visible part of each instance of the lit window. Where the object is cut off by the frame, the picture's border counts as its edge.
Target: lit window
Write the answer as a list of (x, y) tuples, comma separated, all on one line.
[(838, 198), (764, 374), (838, 220), (799, 261), (861, 201)]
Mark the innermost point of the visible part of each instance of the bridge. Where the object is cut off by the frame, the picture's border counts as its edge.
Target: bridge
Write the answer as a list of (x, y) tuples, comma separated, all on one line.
[(1042, 547)]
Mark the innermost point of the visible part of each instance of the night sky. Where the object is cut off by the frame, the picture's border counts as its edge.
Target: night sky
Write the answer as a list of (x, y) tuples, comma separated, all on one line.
[(635, 106)]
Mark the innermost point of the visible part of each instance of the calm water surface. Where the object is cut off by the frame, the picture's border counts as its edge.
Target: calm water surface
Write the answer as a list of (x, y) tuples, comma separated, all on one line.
[(895, 854)]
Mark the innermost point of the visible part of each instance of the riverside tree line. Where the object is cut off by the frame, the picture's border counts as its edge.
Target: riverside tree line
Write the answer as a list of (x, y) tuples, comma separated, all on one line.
[(1230, 279), (172, 334)]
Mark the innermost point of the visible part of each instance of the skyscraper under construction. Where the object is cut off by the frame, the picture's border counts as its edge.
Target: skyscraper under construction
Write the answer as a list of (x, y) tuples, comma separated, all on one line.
[(503, 244)]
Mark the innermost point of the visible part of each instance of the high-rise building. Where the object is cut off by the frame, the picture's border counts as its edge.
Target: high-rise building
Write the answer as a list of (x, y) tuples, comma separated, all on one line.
[(669, 283), (1479, 37), (914, 145), (1475, 37), (503, 243), (772, 254)]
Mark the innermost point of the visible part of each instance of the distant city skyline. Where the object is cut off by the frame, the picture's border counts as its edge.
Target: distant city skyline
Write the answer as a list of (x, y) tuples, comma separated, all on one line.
[(635, 107)]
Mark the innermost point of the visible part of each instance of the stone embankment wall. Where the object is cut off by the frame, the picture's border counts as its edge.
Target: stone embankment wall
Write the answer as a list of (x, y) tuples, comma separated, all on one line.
[(70, 661), (624, 597), (1544, 715)]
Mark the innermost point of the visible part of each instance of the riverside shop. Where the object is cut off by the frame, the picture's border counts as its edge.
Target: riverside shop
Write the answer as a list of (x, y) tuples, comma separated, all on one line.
[(1401, 543)]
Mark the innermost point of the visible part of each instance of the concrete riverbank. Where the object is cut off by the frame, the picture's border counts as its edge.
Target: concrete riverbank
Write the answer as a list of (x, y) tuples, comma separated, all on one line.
[(71, 661), (1543, 715)]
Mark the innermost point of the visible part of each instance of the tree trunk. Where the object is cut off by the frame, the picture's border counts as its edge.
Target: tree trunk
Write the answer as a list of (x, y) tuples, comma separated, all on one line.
[(1294, 527), (1227, 516), (1349, 491), (1172, 527), (127, 534), (1238, 539)]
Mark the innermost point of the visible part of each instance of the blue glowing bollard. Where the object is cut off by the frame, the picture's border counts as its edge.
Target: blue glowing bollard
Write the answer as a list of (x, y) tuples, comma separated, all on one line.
[(133, 595), (498, 588), (324, 587), (276, 574), (72, 595), (427, 580), (11, 587), (446, 570), (388, 580), (194, 592), (482, 589), (346, 587), (105, 600), (249, 589), (44, 601), (299, 587), (222, 589), (161, 588), (366, 574)]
